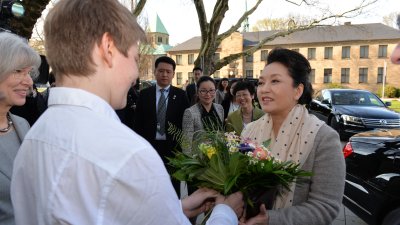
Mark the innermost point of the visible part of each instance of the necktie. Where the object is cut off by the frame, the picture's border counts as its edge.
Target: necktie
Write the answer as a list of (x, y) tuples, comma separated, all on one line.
[(162, 108)]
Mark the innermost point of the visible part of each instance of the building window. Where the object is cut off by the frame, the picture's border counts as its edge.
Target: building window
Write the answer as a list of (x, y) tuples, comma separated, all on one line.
[(327, 76), (216, 74), (264, 55), (249, 58), (379, 78), (328, 52), (382, 52), (346, 52), (363, 77), (178, 59), (178, 78), (364, 52), (345, 76), (249, 73), (296, 49), (190, 77), (159, 39), (311, 53), (190, 59), (312, 76), (216, 56)]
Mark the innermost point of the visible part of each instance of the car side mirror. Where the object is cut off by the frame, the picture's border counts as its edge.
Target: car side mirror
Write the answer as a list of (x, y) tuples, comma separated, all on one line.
[(388, 103)]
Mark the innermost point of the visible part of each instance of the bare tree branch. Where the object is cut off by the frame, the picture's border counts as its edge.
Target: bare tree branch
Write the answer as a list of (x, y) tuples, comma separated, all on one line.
[(226, 60), (239, 22), (139, 7)]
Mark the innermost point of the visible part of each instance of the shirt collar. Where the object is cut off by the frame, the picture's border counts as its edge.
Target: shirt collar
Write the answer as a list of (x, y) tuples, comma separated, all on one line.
[(82, 98), (166, 88)]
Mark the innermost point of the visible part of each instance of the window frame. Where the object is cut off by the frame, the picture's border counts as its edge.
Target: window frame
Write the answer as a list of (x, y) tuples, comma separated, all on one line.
[(329, 80), (311, 53), (328, 53), (346, 52)]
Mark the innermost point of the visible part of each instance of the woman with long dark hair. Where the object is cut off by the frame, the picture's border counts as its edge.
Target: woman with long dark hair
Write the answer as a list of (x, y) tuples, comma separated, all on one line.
[(229, 103), (221, 90)]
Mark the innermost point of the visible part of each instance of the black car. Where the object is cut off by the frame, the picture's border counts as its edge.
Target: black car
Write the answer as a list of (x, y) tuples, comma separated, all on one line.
[(350, 111), (372, 189)]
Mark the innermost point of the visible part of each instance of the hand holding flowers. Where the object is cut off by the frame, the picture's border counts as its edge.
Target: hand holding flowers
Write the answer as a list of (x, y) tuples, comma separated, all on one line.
[(226, 163)]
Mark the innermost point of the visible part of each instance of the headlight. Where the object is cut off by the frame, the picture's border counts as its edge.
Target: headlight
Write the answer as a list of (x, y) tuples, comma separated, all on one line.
[(351, 120)]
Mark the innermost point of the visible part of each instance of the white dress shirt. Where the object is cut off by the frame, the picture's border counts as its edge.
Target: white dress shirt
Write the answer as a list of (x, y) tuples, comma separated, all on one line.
[(80, 165)]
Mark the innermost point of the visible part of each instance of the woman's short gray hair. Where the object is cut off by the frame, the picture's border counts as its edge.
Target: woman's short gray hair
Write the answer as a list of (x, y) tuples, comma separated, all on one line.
[(16, 54)]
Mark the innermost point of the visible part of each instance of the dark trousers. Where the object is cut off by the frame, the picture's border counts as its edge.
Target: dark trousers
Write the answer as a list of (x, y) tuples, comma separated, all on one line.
[(165, 149)]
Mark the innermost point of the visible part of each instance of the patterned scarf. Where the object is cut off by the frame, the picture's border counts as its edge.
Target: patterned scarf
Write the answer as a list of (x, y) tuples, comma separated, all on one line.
[(294, 141)]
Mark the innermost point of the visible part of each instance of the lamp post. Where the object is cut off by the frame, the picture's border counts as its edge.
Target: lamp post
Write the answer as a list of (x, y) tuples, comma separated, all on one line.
[(384, 79)]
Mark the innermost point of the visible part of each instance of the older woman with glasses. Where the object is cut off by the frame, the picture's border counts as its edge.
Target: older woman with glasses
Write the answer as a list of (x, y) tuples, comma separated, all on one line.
[(17, 65), (244, 93), (204, 114)]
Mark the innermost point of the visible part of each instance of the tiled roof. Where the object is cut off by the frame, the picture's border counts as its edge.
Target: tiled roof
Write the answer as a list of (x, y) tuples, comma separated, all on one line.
[(320, 34), (161, 49)]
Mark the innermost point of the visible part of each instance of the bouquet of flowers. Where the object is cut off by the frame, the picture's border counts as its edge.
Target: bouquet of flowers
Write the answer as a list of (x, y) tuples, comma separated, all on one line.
[(227, 163)]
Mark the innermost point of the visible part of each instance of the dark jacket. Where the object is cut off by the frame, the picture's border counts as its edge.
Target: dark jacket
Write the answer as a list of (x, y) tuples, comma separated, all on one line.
[(191, 93), (146, 116)]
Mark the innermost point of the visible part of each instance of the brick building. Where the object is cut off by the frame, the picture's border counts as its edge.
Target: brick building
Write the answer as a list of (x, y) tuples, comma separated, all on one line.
[(348, 55)]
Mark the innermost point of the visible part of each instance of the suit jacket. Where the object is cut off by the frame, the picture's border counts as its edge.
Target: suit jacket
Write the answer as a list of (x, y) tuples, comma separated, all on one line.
[(192, 122), (234, 121), (6, 165), (191, 93), (146, 116)]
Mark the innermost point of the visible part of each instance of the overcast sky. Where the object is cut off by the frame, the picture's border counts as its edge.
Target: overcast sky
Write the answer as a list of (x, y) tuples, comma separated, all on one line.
[(180, 17)]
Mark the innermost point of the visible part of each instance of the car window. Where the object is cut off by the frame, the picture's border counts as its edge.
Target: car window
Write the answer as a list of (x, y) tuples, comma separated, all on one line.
[(326, 95), (318, 96), (373, 100)]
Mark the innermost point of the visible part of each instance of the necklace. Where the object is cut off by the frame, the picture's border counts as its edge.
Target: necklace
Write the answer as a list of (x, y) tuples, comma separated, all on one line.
[(247, 117), (8, 126)]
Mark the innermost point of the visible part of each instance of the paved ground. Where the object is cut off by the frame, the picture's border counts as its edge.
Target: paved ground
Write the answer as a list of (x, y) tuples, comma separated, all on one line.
[(347, 217)]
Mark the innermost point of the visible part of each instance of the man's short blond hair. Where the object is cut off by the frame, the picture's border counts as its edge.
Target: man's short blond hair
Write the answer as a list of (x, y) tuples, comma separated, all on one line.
[(73, 27)]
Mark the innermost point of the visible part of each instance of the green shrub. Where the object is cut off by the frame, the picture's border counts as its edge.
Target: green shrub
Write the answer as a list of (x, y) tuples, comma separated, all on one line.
[(390, 92), (334, 85)]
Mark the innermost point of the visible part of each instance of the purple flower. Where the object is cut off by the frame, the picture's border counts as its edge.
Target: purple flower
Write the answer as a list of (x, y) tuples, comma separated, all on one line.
[(245, 147)]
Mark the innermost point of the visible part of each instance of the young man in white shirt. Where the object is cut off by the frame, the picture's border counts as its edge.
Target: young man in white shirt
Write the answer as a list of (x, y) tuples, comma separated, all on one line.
[(79, 164)]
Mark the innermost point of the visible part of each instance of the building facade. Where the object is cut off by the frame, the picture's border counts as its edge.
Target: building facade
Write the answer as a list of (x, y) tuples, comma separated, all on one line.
[(353, 56)]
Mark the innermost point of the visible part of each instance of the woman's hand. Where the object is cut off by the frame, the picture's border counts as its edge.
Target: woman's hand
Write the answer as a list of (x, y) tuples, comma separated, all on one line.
[(235, 201), (260, 219), (203, 199)]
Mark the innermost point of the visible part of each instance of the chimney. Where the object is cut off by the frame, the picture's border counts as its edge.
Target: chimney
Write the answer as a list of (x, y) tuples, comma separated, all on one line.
[(347, 23)]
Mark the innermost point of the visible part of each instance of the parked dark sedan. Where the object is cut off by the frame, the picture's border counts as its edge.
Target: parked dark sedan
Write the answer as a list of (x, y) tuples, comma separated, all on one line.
[(372, 189), (350, 111)]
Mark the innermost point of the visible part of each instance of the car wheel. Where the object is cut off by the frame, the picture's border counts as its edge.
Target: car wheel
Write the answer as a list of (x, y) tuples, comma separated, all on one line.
[(335, 125), (392, 218)]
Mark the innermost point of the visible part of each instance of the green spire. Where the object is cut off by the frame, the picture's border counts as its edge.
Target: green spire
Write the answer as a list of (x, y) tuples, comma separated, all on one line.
[(160, 26)]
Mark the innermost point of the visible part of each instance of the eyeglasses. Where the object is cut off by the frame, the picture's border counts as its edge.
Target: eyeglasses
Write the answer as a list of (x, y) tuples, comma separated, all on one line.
[(204, 92), (20, 74), (242, 95)]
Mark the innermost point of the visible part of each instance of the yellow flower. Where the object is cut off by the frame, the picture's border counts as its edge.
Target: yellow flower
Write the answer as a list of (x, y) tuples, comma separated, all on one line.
[(210, 151), (207, 150)]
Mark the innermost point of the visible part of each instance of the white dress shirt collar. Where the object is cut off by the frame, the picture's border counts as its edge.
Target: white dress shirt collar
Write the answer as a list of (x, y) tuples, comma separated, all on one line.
[(82, 98)]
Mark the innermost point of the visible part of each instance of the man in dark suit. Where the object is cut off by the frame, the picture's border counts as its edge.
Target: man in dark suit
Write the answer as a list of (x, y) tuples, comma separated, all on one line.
[(158, 106), (191, 89)]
